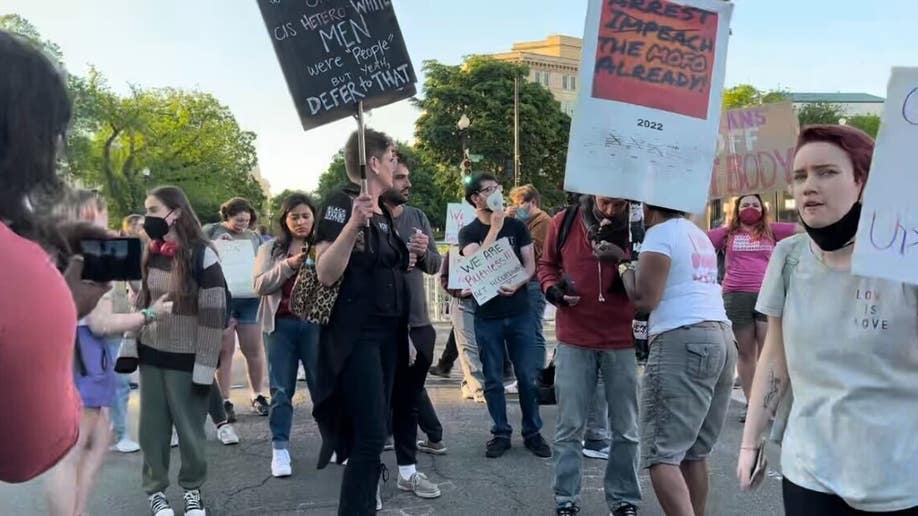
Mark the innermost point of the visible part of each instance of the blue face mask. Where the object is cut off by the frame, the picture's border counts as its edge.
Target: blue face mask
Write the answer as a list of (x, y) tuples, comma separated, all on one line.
[(522, 213)]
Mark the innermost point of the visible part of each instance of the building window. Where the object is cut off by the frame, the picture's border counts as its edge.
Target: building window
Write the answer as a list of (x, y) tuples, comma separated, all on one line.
[(542, 77), (569, 82)]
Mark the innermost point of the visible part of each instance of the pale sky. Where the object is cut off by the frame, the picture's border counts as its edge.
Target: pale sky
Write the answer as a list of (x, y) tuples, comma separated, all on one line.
[(222, 47)]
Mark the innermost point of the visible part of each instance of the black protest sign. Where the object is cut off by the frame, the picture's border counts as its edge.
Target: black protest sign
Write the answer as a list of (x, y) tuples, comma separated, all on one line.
[(336, 53)]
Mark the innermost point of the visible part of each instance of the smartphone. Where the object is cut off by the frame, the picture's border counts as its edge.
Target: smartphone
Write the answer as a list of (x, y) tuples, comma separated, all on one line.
[(758, 468), (115, 259)]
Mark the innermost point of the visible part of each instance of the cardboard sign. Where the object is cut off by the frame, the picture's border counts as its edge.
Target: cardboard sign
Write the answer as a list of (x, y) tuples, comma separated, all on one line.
[(490, 268), (335, 53), (646, 127), (887, 238), (457, 216), (237, 259), (755, 150)]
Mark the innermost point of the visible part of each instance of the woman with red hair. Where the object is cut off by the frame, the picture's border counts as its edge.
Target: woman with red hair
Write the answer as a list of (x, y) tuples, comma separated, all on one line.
[(747, 241), (846, 344)]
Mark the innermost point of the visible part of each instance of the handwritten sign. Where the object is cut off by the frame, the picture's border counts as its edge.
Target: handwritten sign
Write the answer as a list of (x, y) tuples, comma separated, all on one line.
[(887, 234), (755, 150), (237, 259), (456, 280), (491, 268), (646, 128), (335, 53), (457, 216)]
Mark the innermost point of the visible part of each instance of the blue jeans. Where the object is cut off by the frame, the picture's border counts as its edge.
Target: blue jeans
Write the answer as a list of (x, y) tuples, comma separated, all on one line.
[(537, 302), (576, 373), (122, 394), (517, 332), (292, 342)]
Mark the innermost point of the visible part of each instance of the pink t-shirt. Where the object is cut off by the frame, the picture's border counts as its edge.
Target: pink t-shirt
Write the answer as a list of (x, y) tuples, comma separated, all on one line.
[(747, 258), (38, 323)]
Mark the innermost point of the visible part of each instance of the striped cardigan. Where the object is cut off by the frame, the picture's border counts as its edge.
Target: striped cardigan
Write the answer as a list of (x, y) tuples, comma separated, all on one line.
[(189, 338)]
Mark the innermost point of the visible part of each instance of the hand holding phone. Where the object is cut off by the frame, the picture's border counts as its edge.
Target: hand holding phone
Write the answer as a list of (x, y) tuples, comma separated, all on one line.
[(112, 259)]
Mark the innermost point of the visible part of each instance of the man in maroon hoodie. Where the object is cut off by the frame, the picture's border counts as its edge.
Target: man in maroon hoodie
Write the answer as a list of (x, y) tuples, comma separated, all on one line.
[(593, 326)]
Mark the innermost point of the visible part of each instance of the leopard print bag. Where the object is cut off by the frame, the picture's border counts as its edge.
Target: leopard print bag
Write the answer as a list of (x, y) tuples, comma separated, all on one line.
[(310, 300)]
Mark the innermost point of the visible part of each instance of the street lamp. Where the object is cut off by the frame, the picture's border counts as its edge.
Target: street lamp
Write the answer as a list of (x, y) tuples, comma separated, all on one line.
[(463, 125)]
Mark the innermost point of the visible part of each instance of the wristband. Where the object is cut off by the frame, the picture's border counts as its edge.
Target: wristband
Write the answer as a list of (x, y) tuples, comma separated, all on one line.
[(149, 315)]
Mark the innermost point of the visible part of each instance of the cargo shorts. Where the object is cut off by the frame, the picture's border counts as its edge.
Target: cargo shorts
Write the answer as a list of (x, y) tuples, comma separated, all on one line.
[(685, 393)]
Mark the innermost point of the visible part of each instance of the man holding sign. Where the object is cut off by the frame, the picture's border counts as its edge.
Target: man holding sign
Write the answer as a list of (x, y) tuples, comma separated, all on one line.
[(504, 318)]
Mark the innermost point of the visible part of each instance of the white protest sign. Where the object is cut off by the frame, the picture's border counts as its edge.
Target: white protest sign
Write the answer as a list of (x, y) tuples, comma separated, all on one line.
[(491, 268), (237, 259), (887, 237), (457, 216), (647, 114), (456, 278)]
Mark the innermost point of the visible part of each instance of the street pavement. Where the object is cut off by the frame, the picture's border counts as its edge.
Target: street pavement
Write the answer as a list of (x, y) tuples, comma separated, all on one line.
[(240, 482)]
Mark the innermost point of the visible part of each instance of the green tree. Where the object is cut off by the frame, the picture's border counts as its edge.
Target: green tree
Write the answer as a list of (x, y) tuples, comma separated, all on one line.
[(870, 124), (744, 95), (19, 25), (819, 113), (482, 89), (334, 177)]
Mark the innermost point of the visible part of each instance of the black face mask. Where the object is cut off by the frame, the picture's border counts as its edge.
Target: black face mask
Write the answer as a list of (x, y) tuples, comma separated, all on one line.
[(838, 234), (156, 227)]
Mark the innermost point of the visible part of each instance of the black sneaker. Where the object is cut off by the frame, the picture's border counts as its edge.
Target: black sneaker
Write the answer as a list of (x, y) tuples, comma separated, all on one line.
[(497, 446), (230, 411), (260, 405), (538, 446), (625, 510), (159, 505), (194, 506), (439, 370), (567, 510)]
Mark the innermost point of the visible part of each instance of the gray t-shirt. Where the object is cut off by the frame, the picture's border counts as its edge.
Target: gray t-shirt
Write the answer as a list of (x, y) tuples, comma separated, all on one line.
[(215, 231), (405, 224), (851, 344)]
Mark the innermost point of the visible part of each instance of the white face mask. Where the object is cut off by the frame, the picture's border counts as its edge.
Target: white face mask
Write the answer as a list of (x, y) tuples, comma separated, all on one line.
[(495, 201)]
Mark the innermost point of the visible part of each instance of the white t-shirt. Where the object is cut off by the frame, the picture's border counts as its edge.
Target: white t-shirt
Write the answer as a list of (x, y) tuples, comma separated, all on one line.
[(851, 345), (692, 294)]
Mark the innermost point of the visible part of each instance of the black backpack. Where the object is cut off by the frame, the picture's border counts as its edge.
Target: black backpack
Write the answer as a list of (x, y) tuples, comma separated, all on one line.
[(198, 272)]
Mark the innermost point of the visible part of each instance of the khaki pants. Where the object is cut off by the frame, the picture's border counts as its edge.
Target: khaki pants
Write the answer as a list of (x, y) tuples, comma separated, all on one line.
[(167, 399)]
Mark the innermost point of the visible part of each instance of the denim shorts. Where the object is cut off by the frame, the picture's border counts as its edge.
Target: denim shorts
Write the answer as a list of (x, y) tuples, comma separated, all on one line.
[(740, 307), (245, 310), (686, 389)]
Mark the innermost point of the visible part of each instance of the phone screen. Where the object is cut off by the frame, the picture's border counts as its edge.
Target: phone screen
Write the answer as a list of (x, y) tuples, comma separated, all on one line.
[(115, 259)]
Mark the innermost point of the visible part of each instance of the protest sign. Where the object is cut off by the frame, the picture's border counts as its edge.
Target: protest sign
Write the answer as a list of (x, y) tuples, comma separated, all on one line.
[(490, 268), (887, 237), (755, 150), (456, 280), (457, 216), (335, 53), (645, 125), (237, 259)]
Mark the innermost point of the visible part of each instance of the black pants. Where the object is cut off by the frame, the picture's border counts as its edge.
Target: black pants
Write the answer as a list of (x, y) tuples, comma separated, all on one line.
[(215, 404), (450, 353), (428, 421), (799, 501), (409, 383), (365, 385)]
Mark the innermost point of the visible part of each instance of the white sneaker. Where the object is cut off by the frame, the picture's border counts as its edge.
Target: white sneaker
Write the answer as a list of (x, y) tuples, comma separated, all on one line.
[(378, 499), (280, 464), (227, 434), (174, 441), (126, 445), (511, 388), (194, 506), (301, 374), (420, 485), (159, 505)]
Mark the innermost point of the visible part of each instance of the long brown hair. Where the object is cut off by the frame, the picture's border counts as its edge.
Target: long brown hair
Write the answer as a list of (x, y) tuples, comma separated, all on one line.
[(761, 229), (183, 288)]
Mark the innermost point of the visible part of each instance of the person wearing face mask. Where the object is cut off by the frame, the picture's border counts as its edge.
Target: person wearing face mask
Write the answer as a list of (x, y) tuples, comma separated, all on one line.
[(844, 344), (177, 354), (747, 243), (688, 378), (505, 319), (593, 325), (526, 200), (290, 341), (238, 217)]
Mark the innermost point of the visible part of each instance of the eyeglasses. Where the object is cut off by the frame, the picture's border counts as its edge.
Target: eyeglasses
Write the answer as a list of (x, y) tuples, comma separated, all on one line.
[(491, 189)]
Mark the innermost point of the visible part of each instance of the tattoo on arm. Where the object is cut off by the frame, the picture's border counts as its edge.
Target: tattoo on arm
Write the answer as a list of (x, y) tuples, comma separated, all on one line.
[(773, 389)]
